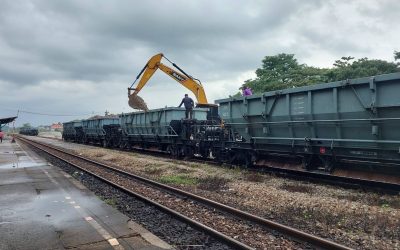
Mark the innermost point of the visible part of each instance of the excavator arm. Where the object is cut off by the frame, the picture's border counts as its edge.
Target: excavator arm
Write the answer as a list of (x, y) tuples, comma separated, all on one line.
[(187, 81)]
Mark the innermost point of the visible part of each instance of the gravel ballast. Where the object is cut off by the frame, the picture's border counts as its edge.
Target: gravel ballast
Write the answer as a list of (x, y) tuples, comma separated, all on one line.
[(174, 232), (356, 218)]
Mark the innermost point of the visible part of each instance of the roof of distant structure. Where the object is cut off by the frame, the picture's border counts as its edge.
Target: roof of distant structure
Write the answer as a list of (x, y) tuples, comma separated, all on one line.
[(7, 120)]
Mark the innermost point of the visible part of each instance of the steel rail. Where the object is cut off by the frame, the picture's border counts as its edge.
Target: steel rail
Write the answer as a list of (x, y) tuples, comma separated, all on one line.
[(344, 181), (292, 232), (224, 238)]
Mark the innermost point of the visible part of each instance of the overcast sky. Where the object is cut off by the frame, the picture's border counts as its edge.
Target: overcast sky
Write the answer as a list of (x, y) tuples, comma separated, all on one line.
[(78, 57)]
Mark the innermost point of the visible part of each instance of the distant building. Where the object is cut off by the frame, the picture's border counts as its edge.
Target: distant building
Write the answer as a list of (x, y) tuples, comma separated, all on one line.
[(56, 127), (44, 128)]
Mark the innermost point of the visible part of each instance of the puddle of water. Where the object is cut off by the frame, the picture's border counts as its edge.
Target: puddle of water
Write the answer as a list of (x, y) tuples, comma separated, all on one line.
[(20, 165), (24, 158), (7, 212), (6, 222)]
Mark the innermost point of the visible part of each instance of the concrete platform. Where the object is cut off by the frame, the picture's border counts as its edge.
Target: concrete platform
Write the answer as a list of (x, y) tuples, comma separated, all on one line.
[(42, 207)]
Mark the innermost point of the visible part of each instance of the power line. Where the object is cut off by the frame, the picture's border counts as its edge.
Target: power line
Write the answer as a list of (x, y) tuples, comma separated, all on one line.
[(46, 114)]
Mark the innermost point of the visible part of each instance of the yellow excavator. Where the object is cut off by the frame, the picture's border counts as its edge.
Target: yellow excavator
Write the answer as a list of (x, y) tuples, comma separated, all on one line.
[(182, 77)]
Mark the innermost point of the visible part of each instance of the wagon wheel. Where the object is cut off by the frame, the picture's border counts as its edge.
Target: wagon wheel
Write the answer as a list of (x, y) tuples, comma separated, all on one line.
[(307, 162), (328, 164), (124, 145), (175, 151), (205, 153), (217, 155), (232, 157), (170, 150), (188, 152), (250, 159), (116, 142)]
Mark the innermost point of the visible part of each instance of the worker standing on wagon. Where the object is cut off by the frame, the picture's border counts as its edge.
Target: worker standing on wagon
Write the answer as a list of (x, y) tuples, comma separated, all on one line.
[(189, 104), (1, 136), (246, 91)]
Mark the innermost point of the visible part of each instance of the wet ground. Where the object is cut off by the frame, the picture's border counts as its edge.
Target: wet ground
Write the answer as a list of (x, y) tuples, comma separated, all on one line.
[(42, 207), (357, 218)]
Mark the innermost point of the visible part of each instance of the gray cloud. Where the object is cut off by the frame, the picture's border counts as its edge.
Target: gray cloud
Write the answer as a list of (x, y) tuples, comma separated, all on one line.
[(76, 40), (88, 52)]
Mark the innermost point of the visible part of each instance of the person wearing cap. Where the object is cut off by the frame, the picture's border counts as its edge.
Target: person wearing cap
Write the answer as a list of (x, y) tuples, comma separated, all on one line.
[(189, 104)]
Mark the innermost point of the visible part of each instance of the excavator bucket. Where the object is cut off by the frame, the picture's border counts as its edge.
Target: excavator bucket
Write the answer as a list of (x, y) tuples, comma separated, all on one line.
[(137, 102)]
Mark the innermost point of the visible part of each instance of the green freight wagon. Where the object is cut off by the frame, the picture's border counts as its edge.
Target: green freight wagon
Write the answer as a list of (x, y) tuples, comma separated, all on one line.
[(95, 129), (157, 127), (29, 131), (72, 131), (356, 120)]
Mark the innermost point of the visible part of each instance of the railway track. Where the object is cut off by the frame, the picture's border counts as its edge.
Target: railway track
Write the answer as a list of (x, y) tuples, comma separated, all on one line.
[(234, 227), (340, 179), (347, 180)]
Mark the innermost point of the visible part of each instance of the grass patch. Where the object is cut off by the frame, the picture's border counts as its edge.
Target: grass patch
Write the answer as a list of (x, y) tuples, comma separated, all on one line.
[(182, 170), (297, 188), (195, 165), (254, 177), (153, 171), (99, 154), (179, 180), (389, 203), (112, 159), (111, 202), (235, 170), (213, 183), (76, 174)]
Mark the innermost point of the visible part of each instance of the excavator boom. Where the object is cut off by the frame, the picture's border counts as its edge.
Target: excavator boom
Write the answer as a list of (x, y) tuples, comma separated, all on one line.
[(186, 80)]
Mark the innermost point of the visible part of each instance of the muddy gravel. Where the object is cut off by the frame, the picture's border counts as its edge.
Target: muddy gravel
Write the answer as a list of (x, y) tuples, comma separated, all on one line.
[(244, 231), (356, 218), (176, 233), (137, 102)]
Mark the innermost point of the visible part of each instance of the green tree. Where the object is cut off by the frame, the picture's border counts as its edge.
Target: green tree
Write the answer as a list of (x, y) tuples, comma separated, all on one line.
[(344, 69), (278, 68), (26, 125), (283, 71), (397, 55)]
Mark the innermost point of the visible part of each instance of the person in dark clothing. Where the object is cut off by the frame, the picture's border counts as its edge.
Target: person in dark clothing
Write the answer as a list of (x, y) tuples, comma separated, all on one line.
[(188, 103)]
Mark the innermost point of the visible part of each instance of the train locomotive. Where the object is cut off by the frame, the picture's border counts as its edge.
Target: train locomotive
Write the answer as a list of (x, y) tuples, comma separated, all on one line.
[(321, 125)]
